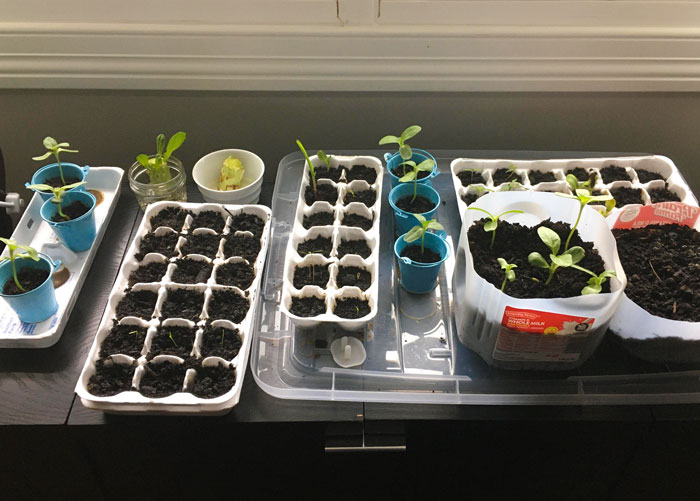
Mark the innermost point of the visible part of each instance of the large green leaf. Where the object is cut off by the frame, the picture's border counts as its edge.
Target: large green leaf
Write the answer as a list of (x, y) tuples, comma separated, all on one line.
[(405, 152), (174, 143), (44, 156), (577, 253), (410, 132), (490, 225), (389, 139), (550, 238), (564, 260), (413, 234), (536, 259), (50, 143)]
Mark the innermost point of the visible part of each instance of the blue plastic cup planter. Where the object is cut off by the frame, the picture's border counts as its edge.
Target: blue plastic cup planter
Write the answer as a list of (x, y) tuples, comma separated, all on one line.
[(76, 234), (70, 171), (37, 304), (419, 277), (404, 221), (393, 162)]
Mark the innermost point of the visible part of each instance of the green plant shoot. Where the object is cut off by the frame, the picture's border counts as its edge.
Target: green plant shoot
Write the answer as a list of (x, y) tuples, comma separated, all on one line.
[(404, 149), (419, 230), (568, 258), (58, 194), (312, 170), (508, 269), (595, 283), (425, 165), (325, 158), (584, 197), (157, 167), (13, 246), (55, 148), (513, 185), (170, 335), (575, 184), (492, 224)]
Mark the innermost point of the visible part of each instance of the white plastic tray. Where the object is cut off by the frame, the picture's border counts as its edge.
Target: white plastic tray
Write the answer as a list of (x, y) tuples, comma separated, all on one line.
[(32, 230), (181, 402)]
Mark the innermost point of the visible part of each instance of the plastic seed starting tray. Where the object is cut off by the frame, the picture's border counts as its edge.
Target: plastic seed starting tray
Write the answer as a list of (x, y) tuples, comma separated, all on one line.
[(413, 353), (176, 333)]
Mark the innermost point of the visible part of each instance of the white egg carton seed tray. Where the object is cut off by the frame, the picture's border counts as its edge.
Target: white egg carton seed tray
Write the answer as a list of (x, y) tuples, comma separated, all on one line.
[(338, 233), (147, 361)]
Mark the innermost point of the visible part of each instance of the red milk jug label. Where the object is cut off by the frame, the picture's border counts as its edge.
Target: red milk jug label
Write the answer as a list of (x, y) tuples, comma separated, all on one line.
[(662, 213), (540, 336)]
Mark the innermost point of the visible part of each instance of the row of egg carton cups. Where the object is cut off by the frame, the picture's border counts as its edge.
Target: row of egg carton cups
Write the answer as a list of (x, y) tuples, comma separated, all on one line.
[(672, 179), (227, 217), (337, 233), (221, 252)]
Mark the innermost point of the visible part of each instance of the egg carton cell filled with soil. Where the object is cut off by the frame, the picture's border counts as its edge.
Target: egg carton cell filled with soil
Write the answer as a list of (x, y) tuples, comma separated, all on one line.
[(162, 241), (630, 180), (185, 314), (169, 217), (315, 251)]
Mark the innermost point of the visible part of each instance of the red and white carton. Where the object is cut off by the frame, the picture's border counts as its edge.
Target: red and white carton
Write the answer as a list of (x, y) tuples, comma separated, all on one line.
[(534, 334)]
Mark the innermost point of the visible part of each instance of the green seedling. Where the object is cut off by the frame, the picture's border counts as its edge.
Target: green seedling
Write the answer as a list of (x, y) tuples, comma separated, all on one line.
[(223, 333), (595, 283), (584, 197), (480, 190), (425, 165), (170, 335), (419, 230), (513, 185), (325, 158), (312, 170), (508, 269), (492, 225), (58, 194), (404, 149), (157, 167), (133, 333), (567, 259), (575, 184), (13, 247), (55, 148)]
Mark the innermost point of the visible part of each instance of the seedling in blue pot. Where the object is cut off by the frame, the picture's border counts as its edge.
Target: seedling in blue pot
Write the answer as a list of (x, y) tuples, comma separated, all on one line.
[(157, 166), (55, 148), (58, 194), (13, 247), (404, 149), (425, 165), (419, 230), (492, 224)]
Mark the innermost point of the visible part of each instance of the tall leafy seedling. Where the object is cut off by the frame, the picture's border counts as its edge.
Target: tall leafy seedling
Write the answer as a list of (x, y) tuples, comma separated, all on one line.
[(404, 149), (584, 197), (55, 148), (58, 194), (419, 231), (157, 167), (13, 247), (564, 260), (425, 165)]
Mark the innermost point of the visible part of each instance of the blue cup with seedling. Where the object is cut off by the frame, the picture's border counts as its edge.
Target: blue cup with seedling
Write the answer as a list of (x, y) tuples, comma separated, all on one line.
[(403, 220), (68, 173), (393, 162), (77, 234), (34, 305), (418, 277)]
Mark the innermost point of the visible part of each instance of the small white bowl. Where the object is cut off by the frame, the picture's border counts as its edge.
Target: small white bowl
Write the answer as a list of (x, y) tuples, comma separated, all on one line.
[(207, 170)]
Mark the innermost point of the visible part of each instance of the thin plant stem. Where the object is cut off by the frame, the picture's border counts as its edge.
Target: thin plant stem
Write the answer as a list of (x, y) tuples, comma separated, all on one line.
[(14, 272), (60, 170), (571, 233)]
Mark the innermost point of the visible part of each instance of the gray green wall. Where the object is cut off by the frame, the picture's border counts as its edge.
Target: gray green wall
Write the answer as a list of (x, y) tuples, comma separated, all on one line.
[(112, 127)]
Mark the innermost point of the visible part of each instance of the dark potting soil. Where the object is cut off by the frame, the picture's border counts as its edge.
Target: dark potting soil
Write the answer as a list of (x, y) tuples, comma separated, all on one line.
[(57, 183), (208, 219), (212, 382), (627, 196), (469, 198), (311, 275), (307, 306), (29, 278), (324, 193), (164, 244), (247, 222), (504, 175), (614, 173), (333, 173), (238, 274), (537, 177), (399, 172), (73, 211), (351, 308), (579, 172), (162, 379), (191, 271), (124, 339), (361, 172), (220, 342), (418, 206), (646, 175), (228, 305), (514, 243), (318, 219), (663, 195), (354, 276), (137, 303), (367, 197), (357, 221), (183, 303), (174, 340), (204, 244), (243, 246), (151, 272), (468, 177), (110, 378), (318, 245), (172, 217), (357, 246), (663, 269), (414, 253)]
